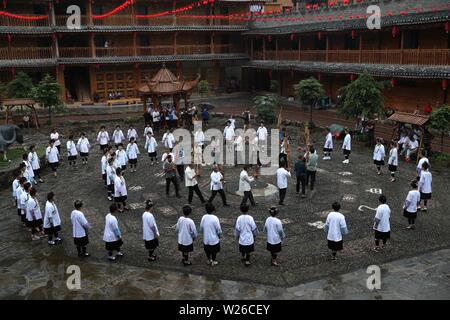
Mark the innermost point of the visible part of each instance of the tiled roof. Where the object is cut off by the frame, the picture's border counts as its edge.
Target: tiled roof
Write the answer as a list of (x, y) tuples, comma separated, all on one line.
[(382, 70), (418, 12), (409, 118)]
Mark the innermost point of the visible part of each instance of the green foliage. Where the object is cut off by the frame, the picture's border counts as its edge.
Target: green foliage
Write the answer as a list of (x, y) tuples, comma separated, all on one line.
[(441, 160), (47, 94), (203, 87), (440, 121), (274, 85), (20, 86), (362, 98), (309, 91), (3, 93), (265, 107)]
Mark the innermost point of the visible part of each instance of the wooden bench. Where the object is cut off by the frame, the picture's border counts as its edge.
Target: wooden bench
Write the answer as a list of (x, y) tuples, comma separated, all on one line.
[(123, 101)]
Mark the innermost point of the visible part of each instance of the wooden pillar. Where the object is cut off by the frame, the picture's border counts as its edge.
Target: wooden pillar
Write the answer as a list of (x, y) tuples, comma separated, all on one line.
[(135, 50), (62, 83), (175, 43), (276, 48), (211, 13), (402, 44), (89, 12), (299, 48), (360, 47), (92, 45), (212, 43), (327, 46), (174, 17), (251, 48)]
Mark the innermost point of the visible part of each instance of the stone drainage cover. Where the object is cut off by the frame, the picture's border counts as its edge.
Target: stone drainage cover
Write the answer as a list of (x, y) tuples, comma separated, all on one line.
[(261, 189)]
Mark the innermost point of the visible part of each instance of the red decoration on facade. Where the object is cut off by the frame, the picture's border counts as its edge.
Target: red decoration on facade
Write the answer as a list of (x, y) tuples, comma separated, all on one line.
[(444, 84), (9, 38), (319, 35), (13, 72), (123, 6), (394, 31), (353, 34), (292, 37), (393, 82), (22, 17), (447, 27), (352, 77)]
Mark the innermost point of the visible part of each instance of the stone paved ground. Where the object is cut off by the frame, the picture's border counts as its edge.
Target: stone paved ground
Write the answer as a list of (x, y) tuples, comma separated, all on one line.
[(304, 257)]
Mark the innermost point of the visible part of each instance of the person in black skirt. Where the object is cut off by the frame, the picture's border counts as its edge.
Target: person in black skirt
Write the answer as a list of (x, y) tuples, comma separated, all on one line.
[(275, 234), (52, 220), (245, 232), (411, 204), (212, 232), (335, 227), (80, 227), (378, 155), (150, 231), (382, 225), (112, 235), (187, 233), (34, 216)]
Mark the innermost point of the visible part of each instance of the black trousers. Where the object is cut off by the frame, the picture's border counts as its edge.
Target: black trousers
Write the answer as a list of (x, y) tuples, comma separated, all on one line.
[(248, 195), (282, 195), (180, 170), (301, 179), (222, 195), (197, 191), (311, 175), (174, 180)]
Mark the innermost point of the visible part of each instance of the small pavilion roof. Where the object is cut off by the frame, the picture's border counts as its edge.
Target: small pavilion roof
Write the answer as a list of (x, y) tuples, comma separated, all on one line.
[(409, 118)]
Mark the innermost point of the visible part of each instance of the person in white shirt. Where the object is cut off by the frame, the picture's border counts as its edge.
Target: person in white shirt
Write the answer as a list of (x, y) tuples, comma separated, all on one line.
[(393, 160), (179, 161), (28, 169), (132, 154), (104, 165), (378, 155), (132, 133), (232, 122), (112, 235), (148, 129), (35, 162), (198, 159), (24, 197), (120, 191), (246, 231), (121, 157), (335, 227), (425, 185), (19, 190), (103, 138), (328, 146), (151, 146), (118, 136), (52, 220), (150, 231), (34, 216), (84, 146), (347, 146), (15, 185), (52, 157), (199, 137), (245, 186), (240, 150), (411, 205), (80, 227), (411, 147), (168, 140), (54, 135), (212, 232), (72, 152), (262, 137), (217, 186), (282, 181), (228, 134), (192, 184), (216, 150), (381, 224), (273, 228), (419, 166), (156, 117), (110, 176), (186, 233)]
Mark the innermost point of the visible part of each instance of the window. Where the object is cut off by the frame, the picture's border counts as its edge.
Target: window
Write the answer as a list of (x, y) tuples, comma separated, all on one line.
[(411, 40)]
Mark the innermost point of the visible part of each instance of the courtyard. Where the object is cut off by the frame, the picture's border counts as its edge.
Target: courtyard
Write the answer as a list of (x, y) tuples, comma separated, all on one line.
[(304, 258)]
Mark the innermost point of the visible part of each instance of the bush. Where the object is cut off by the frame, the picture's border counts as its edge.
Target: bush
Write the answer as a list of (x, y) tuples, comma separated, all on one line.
[(265, 108), (441, 160)]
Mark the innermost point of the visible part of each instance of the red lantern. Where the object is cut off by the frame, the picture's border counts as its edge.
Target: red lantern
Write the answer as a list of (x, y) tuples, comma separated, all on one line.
[(444, 84), (136, 65), (394, 31), (62, 67), (319, 35), (393, 82), (9, 38), (352, 77), (97, 66), (319, 76), (353, 34), (269, 38), (292, 37), (13, 72), (270, 74), (447, 27)]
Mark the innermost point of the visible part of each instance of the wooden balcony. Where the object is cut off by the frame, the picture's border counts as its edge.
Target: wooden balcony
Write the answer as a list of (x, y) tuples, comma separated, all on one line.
[(405, 56), (7, 21), (26, 53), (75, 52)]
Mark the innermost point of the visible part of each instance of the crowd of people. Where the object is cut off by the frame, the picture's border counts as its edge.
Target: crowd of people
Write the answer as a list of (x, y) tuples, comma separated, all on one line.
[(120, 154)]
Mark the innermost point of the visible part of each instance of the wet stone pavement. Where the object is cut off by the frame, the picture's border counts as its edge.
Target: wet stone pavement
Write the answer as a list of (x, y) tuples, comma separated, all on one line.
[(34, 270)]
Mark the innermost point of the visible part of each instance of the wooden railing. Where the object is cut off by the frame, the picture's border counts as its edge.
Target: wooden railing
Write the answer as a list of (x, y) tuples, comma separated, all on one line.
[(61, 21), (114, 52), (74, 52), (406, 56), (25, 53), (193, 49), (7, 21), (156, 51)]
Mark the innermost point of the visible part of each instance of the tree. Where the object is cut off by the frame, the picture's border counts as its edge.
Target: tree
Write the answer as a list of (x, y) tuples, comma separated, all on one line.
[(309, 91), (362, 98), (20, 86), (3, 93), (203, 87), (47, 94), (265, 107), (440, 121), (274, 86)]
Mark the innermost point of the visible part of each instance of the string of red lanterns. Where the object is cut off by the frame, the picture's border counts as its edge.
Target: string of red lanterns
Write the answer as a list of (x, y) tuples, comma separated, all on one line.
[(175, 11), (22, 17), (116, 10)]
